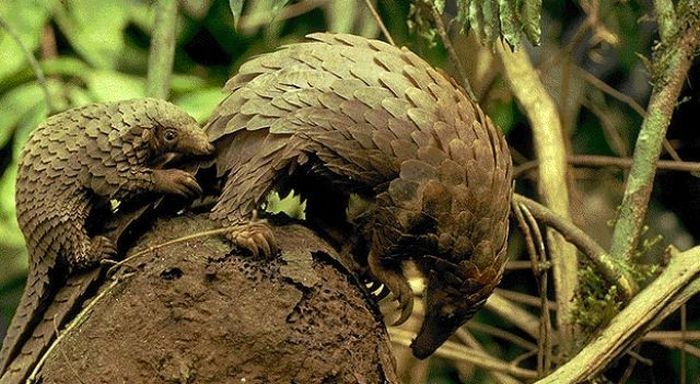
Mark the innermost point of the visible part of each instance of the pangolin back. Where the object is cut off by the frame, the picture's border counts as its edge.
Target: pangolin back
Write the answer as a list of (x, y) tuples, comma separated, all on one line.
[(377, 120)]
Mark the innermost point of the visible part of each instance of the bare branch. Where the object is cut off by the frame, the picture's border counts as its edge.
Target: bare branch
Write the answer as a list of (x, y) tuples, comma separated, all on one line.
[(550, 148), (676, 284), (610, 161), (673, 62)]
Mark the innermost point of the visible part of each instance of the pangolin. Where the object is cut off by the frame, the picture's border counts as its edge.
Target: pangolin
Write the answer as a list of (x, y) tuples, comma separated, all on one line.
[(365, 117), (71, 168)]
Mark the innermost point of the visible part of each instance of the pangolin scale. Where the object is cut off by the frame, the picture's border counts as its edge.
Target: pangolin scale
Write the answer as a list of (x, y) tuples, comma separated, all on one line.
[(71, 167), (376, 120)]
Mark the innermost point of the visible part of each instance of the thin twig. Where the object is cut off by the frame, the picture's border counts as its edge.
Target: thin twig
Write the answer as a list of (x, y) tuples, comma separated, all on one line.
[(544, 341), (452, 54), (513, 313), (596, 161), (457, 352), (519, 359), (501, 334), (162, 53), (194, 236), (630, 368), (524, 298), (79, 319), (672, 335), (514, 265), (33, 63), (614, 93), (635, 355), (67, 361), (684, 328), (678, 344), (610, 129), (378, 18), (528, 228), (605, 88), (609, 268), (470, 341)]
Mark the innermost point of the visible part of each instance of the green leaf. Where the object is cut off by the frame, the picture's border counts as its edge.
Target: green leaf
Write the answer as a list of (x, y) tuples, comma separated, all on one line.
[(506, 19), (439, 5), (20, 101), (27, 124), (491, 21), (114, 86), (279, 4), (236, 10), (509, 23), (27, 19), (7, 193), (200, 104), (531, 20), (94, 28)]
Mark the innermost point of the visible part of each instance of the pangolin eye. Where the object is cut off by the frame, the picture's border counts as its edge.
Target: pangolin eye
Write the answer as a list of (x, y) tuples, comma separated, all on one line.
[(170, 135)]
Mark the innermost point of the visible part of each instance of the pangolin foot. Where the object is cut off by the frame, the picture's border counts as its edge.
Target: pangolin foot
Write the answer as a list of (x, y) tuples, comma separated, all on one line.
[(256, 236)]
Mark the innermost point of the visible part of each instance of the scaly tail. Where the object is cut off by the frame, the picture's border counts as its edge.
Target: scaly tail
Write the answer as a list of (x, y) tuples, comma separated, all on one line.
[(35, 297), (56, 315)]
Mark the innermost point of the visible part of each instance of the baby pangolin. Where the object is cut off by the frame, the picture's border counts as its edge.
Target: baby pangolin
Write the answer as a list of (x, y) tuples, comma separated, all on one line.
[(70, 169), (362, 116)]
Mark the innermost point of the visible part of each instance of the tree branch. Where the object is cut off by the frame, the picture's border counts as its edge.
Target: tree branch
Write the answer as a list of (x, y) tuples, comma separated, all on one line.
[(672, 64), (666, 17), (611, 161), (610, 268), (460, 353), (160, 60), (676, 284), (549, 144)]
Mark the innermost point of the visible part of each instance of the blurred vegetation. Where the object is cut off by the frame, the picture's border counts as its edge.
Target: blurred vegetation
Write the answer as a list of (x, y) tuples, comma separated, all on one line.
[(591, 58)]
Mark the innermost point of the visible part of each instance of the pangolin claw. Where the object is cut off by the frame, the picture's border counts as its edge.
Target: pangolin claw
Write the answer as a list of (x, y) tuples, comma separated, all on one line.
[(255, 236), (405, 299), (394, 280)]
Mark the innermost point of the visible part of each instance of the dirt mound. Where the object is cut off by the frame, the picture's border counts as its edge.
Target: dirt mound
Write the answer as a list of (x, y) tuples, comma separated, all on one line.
[(191, 313)]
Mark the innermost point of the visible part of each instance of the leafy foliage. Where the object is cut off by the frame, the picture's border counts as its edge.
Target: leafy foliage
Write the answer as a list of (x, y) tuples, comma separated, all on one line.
[(506, 19), (491, 20)]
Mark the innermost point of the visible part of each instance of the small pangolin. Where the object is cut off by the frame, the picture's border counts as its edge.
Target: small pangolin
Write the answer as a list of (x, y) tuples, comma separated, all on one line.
[(70, 169), (352, 114)]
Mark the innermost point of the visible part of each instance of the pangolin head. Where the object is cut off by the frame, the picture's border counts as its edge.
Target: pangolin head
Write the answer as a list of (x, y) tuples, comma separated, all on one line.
[(454, 292), (174, 131)]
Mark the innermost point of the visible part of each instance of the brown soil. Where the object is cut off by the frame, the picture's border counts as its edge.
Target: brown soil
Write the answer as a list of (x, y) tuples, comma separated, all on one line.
[(190, 313)]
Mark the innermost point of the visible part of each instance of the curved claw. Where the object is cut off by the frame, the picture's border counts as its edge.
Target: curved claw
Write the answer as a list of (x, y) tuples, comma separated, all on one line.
[(405, 299), (381, 292), (255, 236), (395, 282)]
